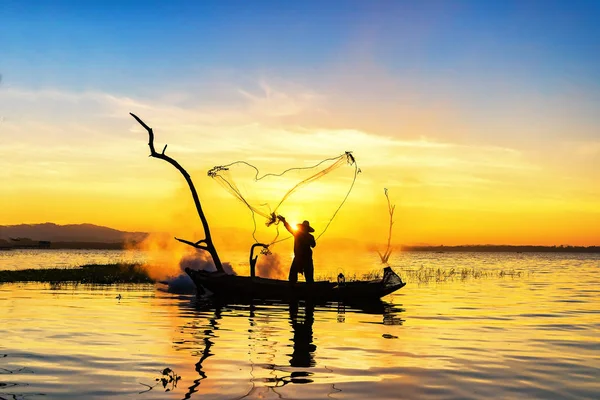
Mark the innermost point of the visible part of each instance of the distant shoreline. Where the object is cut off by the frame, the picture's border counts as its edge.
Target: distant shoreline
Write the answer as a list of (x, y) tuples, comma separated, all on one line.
[(435, 249), (504, 249), (70, 246), (86, 274), (95, 237)]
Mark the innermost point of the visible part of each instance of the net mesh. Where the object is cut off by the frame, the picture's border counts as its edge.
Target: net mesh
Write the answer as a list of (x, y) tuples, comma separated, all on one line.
[(269, 210)]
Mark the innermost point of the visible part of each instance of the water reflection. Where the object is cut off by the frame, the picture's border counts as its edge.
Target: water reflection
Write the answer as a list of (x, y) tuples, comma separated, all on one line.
[(264, 342), (389, 311), (207, 334), (540, 341), (302, 327), (13, 390)]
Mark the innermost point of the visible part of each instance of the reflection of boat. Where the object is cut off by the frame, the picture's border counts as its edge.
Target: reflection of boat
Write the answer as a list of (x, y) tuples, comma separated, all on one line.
[(242, 287), (212, 317)]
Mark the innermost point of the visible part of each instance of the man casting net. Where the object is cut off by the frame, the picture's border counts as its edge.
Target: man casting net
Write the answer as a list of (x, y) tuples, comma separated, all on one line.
[(283, 192)]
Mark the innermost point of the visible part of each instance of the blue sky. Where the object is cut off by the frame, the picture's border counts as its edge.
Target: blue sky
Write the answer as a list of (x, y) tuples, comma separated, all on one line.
[(476, 107), (118, 45)]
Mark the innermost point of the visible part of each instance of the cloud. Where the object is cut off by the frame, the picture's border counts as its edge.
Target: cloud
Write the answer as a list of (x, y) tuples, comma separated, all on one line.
[(272, 102), (74, 134), (55, 143)]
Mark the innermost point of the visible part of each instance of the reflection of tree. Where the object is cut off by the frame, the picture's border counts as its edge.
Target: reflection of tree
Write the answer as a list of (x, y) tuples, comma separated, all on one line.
[(208, 334)]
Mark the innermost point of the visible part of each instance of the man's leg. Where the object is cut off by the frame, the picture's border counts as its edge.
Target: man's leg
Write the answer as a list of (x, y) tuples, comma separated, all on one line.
[(309, 270), (293, 277)]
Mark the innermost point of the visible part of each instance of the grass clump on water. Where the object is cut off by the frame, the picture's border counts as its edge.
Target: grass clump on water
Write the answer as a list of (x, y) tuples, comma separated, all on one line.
[(354, 277), (86, 274), (428, 274)]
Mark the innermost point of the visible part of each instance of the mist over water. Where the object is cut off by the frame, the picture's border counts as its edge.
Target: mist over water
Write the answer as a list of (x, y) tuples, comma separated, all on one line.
[(199, 260), (271, 266)]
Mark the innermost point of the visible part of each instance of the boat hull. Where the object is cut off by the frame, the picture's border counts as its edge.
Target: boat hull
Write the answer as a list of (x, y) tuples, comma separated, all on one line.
[(242, 287)]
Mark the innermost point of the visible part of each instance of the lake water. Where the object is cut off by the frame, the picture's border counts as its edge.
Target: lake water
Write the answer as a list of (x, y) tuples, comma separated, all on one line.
[(486, 325)]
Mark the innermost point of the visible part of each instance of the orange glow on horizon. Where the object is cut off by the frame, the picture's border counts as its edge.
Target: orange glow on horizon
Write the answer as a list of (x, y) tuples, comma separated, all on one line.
[(446, 192)]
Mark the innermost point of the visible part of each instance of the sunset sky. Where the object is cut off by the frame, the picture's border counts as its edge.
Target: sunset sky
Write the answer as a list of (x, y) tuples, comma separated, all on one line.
[(481, 118)]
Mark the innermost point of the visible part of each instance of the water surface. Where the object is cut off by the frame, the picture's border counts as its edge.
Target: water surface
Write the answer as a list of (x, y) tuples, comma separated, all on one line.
[(536, 335)]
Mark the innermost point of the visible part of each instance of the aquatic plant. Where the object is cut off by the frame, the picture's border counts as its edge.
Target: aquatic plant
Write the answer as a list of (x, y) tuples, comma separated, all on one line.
[(368, 276), (87, 274), (430, 274), (425, 275), (168, 380)]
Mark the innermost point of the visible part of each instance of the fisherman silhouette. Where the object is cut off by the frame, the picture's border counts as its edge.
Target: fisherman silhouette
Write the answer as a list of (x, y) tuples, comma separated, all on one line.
[(303, 244)]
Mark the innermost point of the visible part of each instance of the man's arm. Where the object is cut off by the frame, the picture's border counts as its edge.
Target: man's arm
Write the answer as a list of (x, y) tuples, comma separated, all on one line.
[(285, 223), (288, 227)]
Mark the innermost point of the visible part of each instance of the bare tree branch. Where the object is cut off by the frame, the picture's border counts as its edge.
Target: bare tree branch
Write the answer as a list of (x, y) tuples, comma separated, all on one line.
[(162, 156), (388, 252), (195, 245)]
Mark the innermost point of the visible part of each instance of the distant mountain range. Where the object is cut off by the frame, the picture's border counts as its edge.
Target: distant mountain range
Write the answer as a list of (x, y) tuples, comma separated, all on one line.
[(91, 236), (68, 233)]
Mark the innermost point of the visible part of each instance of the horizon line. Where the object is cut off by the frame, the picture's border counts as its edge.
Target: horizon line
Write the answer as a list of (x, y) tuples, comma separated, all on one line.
[(367, 244)]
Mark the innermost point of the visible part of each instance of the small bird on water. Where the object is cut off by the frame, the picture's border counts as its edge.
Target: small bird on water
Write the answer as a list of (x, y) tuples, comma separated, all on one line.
[(118, 296)]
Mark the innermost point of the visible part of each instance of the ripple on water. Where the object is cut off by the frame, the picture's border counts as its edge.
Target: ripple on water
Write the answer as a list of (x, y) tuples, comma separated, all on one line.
[(533, 337)]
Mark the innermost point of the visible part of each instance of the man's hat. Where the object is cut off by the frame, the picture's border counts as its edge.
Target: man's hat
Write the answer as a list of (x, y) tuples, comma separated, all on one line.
[(306, 225)]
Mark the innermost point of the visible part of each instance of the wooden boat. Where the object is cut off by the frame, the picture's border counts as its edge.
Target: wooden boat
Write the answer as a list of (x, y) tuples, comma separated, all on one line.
[(222, 285)]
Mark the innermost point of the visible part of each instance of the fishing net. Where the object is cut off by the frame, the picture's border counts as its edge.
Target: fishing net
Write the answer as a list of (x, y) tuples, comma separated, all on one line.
[(292, 179)]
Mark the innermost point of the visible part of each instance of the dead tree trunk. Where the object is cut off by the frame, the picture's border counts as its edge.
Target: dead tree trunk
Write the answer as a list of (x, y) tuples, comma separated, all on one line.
[(388, 251), (203, 244)]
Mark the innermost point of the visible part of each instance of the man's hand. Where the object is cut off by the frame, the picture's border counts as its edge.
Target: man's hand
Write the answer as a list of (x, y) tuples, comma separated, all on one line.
[(281, 218)]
